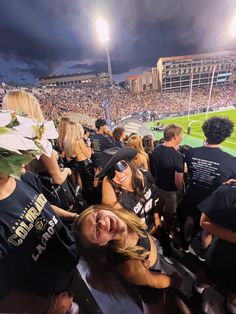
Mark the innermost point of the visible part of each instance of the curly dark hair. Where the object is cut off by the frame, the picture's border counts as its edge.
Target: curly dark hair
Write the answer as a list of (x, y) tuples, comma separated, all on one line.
[(217, 129)]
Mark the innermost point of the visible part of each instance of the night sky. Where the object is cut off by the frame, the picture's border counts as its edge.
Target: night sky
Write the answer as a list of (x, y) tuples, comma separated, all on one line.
[(41, 37)]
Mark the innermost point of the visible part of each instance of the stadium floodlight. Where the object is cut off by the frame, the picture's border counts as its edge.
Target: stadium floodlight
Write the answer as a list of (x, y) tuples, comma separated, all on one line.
[(233, 27), (102, 30), (104, 37)]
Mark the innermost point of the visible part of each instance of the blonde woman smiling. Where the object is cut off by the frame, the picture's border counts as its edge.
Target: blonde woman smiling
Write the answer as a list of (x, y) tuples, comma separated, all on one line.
[(111, 237)]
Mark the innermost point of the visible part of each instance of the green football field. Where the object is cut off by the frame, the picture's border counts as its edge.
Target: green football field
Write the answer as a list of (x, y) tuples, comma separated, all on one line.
[(196, 137)]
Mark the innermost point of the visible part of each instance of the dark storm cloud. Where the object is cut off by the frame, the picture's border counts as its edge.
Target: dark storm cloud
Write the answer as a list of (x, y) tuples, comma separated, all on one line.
[(36, 71), (97, 67), (174, 27), (43, 35)]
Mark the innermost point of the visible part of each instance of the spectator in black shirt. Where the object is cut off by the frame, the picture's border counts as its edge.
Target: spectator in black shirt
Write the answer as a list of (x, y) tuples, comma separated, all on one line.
[(119, 135), (208, 168), (218, 218), (100, 141), (169, 168)]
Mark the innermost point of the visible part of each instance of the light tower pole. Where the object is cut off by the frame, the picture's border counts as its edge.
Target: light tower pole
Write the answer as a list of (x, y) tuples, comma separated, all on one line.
[(104, 37), (109, 65)]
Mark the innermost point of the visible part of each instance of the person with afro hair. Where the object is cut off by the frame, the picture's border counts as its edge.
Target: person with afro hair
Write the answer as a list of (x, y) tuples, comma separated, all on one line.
[(208, 167), (217, 129)]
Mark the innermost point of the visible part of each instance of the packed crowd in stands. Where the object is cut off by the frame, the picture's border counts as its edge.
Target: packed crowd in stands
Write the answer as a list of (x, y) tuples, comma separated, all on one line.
[(57, 102), (143, 199)]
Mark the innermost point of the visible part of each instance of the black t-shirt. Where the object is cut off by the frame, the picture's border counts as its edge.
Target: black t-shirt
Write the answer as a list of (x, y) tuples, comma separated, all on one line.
[(119, 144), (208, 168), (99, 142), (37, 252), (143, 208), (166, 161), (220, 207)]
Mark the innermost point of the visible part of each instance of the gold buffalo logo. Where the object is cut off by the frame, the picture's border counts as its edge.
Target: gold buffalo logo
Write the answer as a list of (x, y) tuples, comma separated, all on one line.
[(39, 224)]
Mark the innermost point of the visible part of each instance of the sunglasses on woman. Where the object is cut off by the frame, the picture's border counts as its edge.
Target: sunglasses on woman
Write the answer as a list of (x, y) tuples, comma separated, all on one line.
[(120, 167)]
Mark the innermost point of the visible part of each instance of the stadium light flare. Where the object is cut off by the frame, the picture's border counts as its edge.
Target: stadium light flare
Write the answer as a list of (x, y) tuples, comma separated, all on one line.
[(104, 37), (233, 27), (102, 30)]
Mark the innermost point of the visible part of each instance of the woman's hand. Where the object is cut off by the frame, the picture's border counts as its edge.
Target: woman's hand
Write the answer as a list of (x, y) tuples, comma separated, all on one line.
[(61, 304), (230, 182), (157, 221), (68, 170)]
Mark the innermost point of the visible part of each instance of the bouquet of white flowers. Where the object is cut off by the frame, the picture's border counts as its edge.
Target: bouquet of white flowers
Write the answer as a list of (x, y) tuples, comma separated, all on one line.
[(21, 140)]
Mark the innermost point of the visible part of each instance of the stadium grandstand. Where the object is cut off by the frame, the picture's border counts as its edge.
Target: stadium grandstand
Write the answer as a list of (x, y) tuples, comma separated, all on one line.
[(76, 80), (56, 102), (176, 73)]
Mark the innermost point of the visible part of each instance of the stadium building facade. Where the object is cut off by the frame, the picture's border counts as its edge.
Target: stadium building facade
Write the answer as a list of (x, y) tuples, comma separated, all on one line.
[(76, 80), (143, 83), (176, 73)]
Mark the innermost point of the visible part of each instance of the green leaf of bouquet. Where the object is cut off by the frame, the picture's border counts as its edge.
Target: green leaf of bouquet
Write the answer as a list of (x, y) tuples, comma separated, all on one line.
[(14, 122), (4, 130), (10, 162), (40, 146)]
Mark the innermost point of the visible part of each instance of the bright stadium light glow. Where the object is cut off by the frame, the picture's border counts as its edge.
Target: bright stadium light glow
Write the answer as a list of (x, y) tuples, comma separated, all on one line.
[(102, 30), (233, 27)]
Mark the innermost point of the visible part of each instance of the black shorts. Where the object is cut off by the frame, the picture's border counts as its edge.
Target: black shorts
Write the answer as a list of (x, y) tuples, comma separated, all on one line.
[(221, 264), (190, 209), (150, 295)]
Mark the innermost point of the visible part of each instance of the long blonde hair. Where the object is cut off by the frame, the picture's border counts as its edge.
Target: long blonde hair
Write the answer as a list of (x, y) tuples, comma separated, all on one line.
[(23, 103), (135, 141), (62, 130), (74, 133), (96, 256), (132, 221)]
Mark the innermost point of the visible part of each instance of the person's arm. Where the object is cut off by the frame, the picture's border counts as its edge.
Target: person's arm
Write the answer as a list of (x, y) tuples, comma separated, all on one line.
[(216, 230), (146, 162), (136, 273), (157, 220), (23, 302), (179, 171), (230, 182), (179, 179), (64, 214), (54, 170), (185, 168), (85, 149), (108, 194)]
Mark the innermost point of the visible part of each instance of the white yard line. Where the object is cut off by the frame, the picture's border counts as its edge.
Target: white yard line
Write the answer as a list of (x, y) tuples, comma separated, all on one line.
[(227, 141)]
